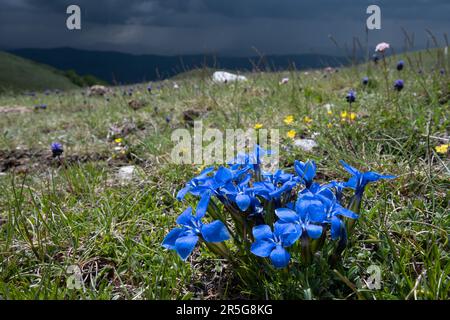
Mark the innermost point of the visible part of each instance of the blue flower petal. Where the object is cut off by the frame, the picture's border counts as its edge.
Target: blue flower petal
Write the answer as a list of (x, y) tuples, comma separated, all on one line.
[(317, 214), (204, 173), (336, 225), (262, 232), (203, 205), (223, 175), (262, 248), (215, 232), (243, 201), (172, 236), (310, 170), (349, 168), (185, 219), (352, 182), (182, 193), (280, 257), (314, 231), (344, 212), (185, 245), (374, 176), (289, 233), (287, 215)]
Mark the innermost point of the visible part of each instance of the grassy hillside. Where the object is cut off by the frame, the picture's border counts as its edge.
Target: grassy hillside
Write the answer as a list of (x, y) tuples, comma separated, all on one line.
[(78, 212), (20, 74)]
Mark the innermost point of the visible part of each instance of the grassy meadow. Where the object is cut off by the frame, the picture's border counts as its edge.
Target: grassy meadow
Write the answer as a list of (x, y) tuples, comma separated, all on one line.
[(80, 212)]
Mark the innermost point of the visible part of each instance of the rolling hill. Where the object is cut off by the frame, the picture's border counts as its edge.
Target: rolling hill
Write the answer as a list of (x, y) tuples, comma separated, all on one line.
[(116, 67), (18, 74)]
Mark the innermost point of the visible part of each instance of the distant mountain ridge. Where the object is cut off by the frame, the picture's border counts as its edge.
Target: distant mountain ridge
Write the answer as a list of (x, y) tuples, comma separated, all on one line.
[(124, 68)]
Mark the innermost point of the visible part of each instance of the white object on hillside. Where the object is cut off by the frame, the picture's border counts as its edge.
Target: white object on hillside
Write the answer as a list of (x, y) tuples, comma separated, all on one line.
[(225, 77), (329, 106), (126, 173), (306, 144), (284, 81)]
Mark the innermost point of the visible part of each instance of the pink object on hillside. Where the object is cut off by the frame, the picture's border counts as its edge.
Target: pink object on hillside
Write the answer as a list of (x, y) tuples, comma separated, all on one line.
[(382, 47)]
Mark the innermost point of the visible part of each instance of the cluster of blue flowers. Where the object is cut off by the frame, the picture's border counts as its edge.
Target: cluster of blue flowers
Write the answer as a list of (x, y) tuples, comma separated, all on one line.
[(274, 210)]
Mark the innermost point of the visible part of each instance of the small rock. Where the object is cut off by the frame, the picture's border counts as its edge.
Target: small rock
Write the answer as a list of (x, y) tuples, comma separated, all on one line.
[(306, 144), (284, 81), (225, 77), (98, 90), (126, 173)]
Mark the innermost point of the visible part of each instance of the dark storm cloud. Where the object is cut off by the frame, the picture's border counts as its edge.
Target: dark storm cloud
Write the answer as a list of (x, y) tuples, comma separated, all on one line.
[(229, 27)]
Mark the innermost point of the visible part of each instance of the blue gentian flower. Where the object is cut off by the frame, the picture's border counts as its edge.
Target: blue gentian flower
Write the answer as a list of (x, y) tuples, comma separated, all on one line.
[(149, 88), (184, 239), (334, 213), (399, 84), (309, 215), (365, 81), (205, 186), (272, 245), (252, 159), (359, 180), (57, 149), (195, 183), (338, 186), (351, 96), (274, 185), (400, 65), (442, 71), (240, 193), (305, 171)]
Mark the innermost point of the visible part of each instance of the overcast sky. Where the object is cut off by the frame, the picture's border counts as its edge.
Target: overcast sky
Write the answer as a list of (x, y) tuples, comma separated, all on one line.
[(224, 27)]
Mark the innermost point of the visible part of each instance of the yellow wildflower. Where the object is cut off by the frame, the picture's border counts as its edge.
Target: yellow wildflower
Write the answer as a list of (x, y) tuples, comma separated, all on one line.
[(330, 113), (443, 148), (289, 119), (201, 168), (353, 116), (291, 134), (307, 120), (344, 114), (118, 140), (258, 126), (330, 125)]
